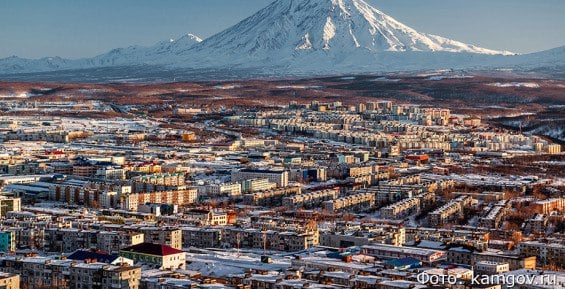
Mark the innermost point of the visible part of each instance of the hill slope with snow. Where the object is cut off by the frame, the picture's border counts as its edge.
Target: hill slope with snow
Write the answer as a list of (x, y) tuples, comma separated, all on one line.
[(129, 56), (302, 37)]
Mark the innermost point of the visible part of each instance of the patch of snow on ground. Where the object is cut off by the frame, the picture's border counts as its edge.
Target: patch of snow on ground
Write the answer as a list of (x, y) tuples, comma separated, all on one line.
[(515, 84), (439, 77), (386, 79), (227, 86), (21, 95), (299, 87)]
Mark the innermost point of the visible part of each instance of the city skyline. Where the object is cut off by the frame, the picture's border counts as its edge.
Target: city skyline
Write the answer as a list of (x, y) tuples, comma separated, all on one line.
[(75, 29)]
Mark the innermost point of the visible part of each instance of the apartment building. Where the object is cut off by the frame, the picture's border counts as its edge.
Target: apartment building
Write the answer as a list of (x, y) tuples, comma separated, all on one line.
[(45, 272), (201, 237), (405, 180), (388, 194), (113, 242), (553, 149), (111, 173), (546, 253), (85, 170), (317, 263), (208, 217), (7, 241), (67, 240), (310, 174), (449, 211), (93, 276), (391, 235), (254, 185), (495, 216), (158, 182), (178, 197), (270, 198), (445, 235), (549, 205), (23, 168), (356, 201), (25, 235), (384, 251), (227, 189), (164, 179), (491, 268), (309, 200), (8, 204), (9, 281), (278, 177), (88, 194), (290, 241), (48, 136), (515, 262), (158, 209), (162, 235), (401, 209), (469, 256), (482, 196), (538, 224)]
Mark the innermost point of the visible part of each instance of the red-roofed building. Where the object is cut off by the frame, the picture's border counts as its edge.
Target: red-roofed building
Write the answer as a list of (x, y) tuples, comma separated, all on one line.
[(421, 158), (160, 256)]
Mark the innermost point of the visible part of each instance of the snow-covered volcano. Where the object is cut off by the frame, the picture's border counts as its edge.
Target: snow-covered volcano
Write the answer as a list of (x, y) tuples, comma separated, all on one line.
[(331, 25), (333, 36), (301, 37)]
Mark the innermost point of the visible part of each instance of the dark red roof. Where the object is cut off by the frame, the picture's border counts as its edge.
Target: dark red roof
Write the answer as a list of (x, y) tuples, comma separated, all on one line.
[(152, 249)]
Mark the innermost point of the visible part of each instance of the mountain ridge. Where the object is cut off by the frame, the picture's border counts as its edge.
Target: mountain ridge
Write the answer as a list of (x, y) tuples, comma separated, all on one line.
[(301, 37)]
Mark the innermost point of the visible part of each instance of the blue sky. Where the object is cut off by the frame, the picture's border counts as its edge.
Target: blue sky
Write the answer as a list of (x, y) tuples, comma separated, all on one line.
[(83, 28)]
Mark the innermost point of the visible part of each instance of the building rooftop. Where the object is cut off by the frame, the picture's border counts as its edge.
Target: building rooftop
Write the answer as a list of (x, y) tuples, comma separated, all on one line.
[(152, 249), (98, 256)]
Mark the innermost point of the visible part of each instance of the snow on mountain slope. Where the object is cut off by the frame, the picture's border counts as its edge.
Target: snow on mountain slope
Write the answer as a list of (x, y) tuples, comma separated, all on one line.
[(136, 55), (132, 55), (301, 37), (288, 28), (548, 58), (14, 64)]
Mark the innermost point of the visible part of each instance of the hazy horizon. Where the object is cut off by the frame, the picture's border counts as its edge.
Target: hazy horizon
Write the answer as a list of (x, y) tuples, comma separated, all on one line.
[(76, 29)]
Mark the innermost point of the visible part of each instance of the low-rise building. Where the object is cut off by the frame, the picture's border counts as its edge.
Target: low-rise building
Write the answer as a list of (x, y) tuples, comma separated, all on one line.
[(388, 252), (491, 268), (160, 256)]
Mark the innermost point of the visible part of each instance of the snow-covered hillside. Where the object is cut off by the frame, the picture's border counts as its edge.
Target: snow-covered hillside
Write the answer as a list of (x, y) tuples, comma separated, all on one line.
[(129, 56), (291, 26), (300, 37)]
